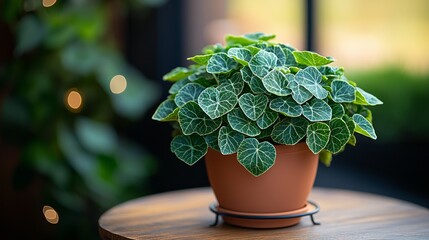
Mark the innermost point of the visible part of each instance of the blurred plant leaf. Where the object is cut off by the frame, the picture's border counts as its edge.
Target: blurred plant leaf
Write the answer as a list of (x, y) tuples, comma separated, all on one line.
[(97, 137), (30, 33)]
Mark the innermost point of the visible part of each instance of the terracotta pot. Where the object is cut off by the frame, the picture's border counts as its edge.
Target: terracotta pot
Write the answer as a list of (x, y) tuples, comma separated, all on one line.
[(283, 189)]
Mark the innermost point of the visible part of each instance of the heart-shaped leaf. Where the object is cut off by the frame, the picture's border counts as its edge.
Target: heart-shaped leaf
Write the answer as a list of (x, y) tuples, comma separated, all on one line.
[(229, 140), (342, 91), (310, 78), (289, 131), (277, 83), (277, 50), (256, 157), (188, 93), (286, 106), (317, 136), (299, 93), (240, 123), (240, 55), (175, 88), (340, 135), (232, 83), (189, 149), (176, 74), (212, 140), (253, 106), (337, 110), (216, 103), (167, 111), (262, 63), (317, 110), (267, 119), (220, 63), (192, 119), (311, 58), (365, 98), (363, 126), (201, 59)]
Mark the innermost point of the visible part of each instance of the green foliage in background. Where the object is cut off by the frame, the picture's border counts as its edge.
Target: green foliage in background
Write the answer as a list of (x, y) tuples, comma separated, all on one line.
[(83, 160), (405, 114)]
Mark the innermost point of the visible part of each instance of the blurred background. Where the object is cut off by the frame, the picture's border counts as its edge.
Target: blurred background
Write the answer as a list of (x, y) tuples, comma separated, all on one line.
[(79, 81)]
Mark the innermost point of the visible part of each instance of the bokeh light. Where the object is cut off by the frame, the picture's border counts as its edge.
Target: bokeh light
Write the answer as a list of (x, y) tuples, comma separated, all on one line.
[(51, 215), (48, 3), (73, 100), (118, 84)]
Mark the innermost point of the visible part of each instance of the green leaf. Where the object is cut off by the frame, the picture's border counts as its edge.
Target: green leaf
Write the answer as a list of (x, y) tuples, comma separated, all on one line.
[(253, 106), (192, 119), (232, 40), (232, 83), (176, 74), (317, 110), (216, 103), (267, 119), (299, 93), (277, 50), (241, 55), (266, 133), (175, 88), (289, 58), (365, 98), (352, 140), (337, 110), (325, 157), (166, 111), (256, 157), (229, 140), (256, 86), (276, 83), (260, 36), (220, 63), (311, 58), (253, 50), (212, 140), (310, 78), (189, 149), (189, 92), (262, 63), (247, 74), (363, 126), (317, 136), (240, 123), (201, 59), (286, 106), (289, 131), (340, 135), (342, 91)]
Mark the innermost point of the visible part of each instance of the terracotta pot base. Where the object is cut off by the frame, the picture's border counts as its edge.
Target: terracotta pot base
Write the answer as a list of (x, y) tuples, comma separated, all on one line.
[(262, 223), (283, 189)]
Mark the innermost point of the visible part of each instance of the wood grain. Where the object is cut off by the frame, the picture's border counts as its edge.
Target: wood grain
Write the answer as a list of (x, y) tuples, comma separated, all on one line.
[(344, 215)]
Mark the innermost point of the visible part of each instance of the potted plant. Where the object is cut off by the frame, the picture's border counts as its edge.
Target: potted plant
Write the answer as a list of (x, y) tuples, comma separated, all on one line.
[(262, 114)]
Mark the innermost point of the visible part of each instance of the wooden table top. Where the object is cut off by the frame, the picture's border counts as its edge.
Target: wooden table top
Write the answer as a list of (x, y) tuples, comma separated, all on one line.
[(344, 215)]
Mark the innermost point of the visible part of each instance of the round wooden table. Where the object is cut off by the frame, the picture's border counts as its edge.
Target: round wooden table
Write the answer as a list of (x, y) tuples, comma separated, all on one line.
[(344, 215)]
